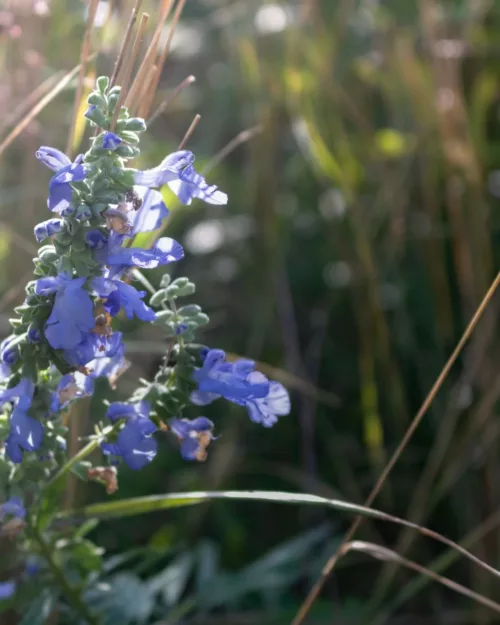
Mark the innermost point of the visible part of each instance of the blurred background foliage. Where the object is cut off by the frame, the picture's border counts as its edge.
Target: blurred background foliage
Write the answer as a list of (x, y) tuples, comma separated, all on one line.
[(358, 241)]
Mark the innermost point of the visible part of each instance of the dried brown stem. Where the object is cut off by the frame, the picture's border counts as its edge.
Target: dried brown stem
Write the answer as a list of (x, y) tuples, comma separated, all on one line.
[(327, 569), (382, 553), (30, 116), (241, 138), (126, 74), (170, 98), (127, 37), (190, 131), (84, 57), (143, 73)]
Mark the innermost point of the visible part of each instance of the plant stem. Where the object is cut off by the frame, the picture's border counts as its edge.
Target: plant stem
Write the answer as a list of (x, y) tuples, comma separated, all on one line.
[(72, 594)]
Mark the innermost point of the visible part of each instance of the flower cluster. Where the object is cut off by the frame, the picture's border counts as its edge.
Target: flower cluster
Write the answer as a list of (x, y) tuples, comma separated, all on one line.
[(64, 336)]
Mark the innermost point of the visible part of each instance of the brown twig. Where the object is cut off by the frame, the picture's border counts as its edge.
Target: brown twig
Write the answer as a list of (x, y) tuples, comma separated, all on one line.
[(149, 92), (327, 569), (125, 42), (126, 74), (241, 138), (190, 131), (143, 73), (29, 117), (163, 56), (170, 98), (21, 108), (84, 57), (382, 553)]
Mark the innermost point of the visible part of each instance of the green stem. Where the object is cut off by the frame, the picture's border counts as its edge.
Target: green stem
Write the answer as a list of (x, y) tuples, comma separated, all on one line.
[(72, 594), (81, 455)]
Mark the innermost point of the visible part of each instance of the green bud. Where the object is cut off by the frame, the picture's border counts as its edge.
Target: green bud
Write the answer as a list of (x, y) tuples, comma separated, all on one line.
[(165, 280), (158, 298), (102, 83), (129, 137), (136, 124), (201, 319), (127, 151), (97, 117), (191, 310), (172, 291), (48, 254), (97, 99), (163, 317)]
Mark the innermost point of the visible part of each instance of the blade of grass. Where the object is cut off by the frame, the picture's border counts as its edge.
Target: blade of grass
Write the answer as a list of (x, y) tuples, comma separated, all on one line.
[(153, 503)]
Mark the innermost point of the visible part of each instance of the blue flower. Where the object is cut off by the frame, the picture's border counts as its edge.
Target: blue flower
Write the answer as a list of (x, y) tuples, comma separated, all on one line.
[(130, 299), (195, 435), (72, 314), (12, 508), (48, 228), (60, 190), (25, 433), (9, 354), (5, 371), (165, 251), (34, 335), (178, 172), (169, 169), (110, 141), (110, 367), (151, 213), (234, 381), (239, 382), (191, 184), (117, 294), (134, 442), (7, 589), (266, 410), (93, 346), (71, 386)]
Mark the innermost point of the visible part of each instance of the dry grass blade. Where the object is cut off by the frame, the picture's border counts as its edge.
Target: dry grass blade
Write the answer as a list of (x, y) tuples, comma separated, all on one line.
[(125, 42), (163, 57), (170, 98), (382, 553), (316, 589), (149, 93), (189, 131), (127, 71), (143, 73), (84, 56), (30, 100), (30, 116), (240, 138)]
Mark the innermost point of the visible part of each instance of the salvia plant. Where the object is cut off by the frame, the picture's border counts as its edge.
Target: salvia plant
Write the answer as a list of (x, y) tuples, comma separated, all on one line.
[(87, 272)]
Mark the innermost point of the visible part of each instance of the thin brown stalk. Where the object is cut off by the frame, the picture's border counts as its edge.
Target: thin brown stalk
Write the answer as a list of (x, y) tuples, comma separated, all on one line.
[(30, 116), (23, 106), (149, 93), (163, 57), (170, 98), (190, 131), (84, 57), (127, 69), (127, 37), (327, 569), (382, 553), (142, 76), (241, 138)]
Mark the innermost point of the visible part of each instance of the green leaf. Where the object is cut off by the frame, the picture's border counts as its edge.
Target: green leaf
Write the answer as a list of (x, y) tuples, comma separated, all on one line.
[(153, 503), (172, 581)]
